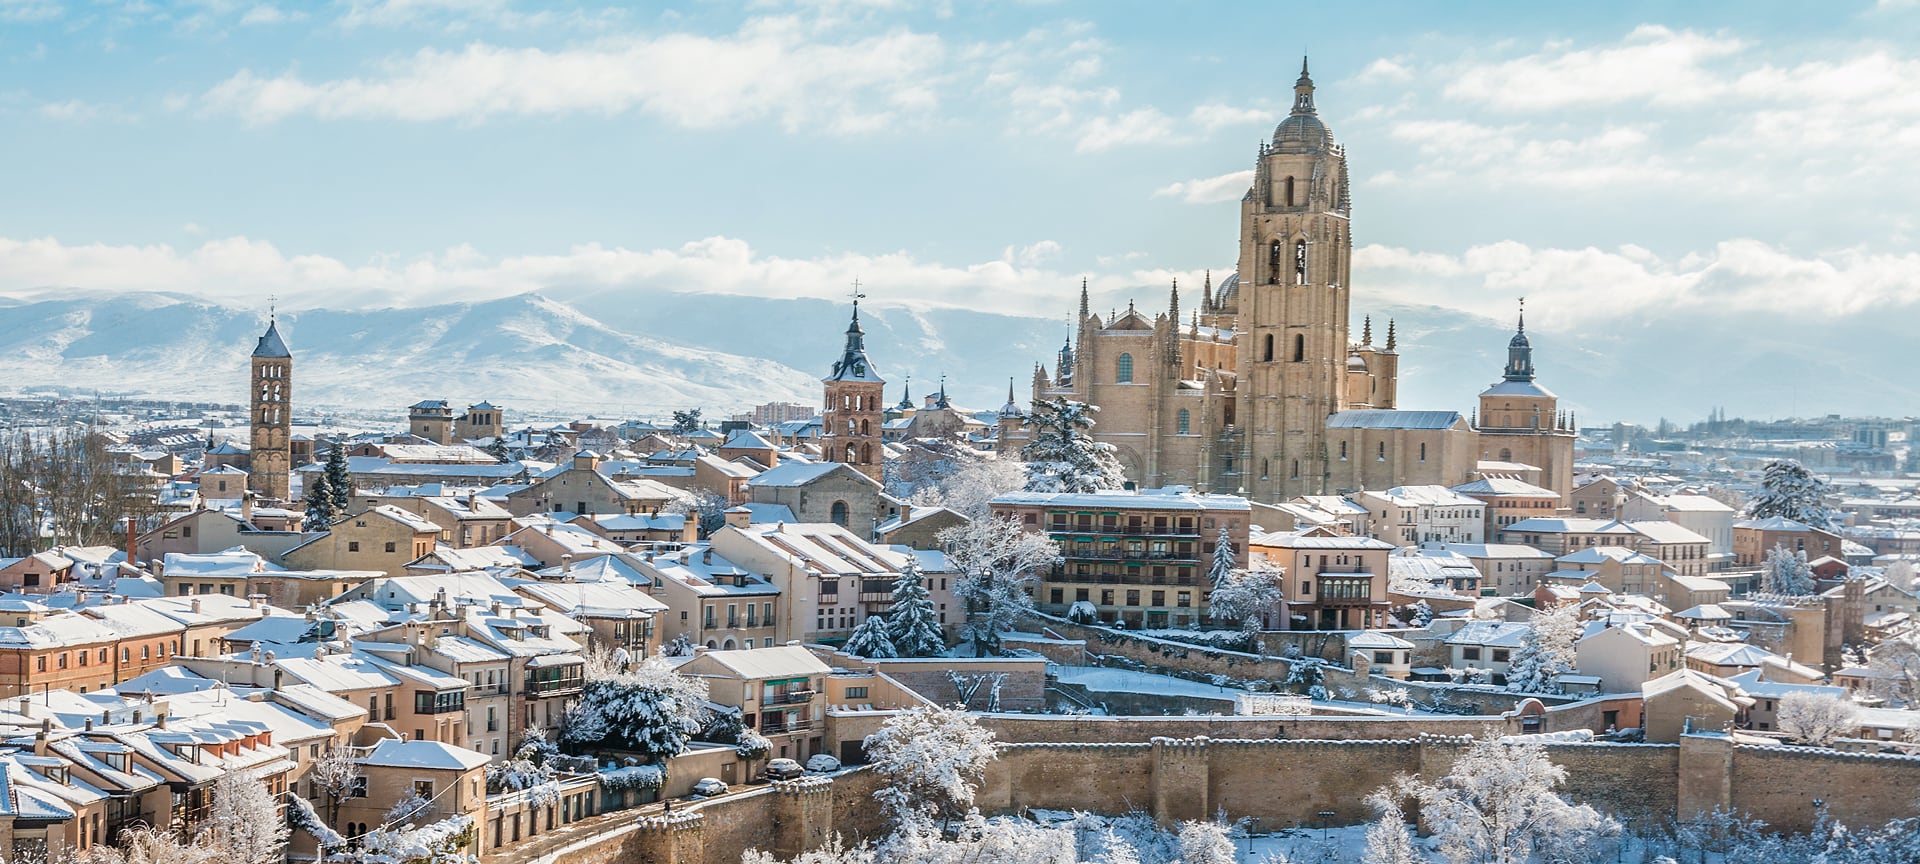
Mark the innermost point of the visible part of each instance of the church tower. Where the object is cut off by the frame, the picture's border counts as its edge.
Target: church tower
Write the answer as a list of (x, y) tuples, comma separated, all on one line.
[(271, 418), (1290, 306), (851, 425), (1521, 422)]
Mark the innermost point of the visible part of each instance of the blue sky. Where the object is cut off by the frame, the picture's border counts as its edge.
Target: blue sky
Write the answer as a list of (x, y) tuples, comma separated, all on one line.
[(1614, 162)]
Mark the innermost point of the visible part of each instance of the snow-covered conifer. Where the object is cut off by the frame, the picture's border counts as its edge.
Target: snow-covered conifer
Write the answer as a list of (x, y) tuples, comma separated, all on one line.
[(1223, 563), (871, 640), (319, 503), (913, 622), (650, 708), (1062, 455), (1244, 597), (997, 561), (1788, 489), (1546, 651), (339, 480)]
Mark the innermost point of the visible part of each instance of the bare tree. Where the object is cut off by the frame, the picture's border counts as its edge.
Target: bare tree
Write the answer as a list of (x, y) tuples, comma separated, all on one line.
[(334, 774), (1816, 719)]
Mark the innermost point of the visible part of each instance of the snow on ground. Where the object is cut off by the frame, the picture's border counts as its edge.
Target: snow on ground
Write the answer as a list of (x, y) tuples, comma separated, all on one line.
[(1104, 680)]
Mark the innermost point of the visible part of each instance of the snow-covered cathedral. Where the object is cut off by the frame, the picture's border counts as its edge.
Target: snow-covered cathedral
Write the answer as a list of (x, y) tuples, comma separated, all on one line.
[(1261, 389)]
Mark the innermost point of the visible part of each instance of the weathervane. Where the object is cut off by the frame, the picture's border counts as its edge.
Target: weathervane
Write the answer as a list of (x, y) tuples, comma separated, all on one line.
[(857, 296)]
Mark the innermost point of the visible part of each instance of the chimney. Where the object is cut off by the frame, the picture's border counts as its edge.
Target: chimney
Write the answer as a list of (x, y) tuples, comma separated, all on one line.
[(26, 706), (739, 517), (699, 650), (706, 556), (40, 738), (246, 506), (566, 562), (194, 604)]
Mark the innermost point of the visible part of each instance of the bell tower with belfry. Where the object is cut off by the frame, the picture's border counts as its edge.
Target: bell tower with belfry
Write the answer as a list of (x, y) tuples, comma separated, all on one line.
[(271, 418), (1291, 305), (851, 424)]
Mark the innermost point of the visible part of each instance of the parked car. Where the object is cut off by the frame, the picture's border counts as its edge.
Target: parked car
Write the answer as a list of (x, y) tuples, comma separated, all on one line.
[(784, 769), (823, 763), (709, 787)]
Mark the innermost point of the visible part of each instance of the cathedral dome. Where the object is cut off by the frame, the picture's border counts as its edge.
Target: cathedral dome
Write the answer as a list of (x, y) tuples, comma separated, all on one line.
[(1229, 289), (1302, 133), (1519, 340)]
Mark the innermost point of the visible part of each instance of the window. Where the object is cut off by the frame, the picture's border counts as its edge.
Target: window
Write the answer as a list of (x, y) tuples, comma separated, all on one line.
[(839, 513), (1343, 451), (1125, 369), (1300, 262), (856, 692), (390, 546), (1181, 424), (1470, 653), (1289, 192), (1299, 348), (423, 788), (353, 545), (1267, 353), (358, 789), (1500, 655), (1273, 263), (1383, 657), (1423, 452), (1382, 455)]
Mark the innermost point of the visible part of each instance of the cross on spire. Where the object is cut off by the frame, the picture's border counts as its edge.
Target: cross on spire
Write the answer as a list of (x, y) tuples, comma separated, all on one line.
[(1523, 315)]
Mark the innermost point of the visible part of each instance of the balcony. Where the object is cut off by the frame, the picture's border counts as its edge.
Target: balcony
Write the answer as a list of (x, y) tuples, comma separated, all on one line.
[(1124, 531), (1124, 555), (791, 697), (783, 728)]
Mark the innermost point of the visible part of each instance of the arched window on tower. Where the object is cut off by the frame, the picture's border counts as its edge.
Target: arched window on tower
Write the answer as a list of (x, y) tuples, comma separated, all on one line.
[(1273, 263), (1299, 348), (866, 427), (1343, 451), (838, 513), (853, 455), (1506, 455), (1382, 455), (1181, 422), (1423, 452), (1296, 469), (1124, 371), (1299, 262), (1289, 191), (1267, 355)]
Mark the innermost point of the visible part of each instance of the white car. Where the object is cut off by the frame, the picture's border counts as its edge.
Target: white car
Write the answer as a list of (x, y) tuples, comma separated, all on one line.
[(823, 763), (709, 787)]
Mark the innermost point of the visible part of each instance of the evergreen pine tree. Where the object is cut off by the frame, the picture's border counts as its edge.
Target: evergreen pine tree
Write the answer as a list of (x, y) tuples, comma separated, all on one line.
[(319, 502), (1063, 457), (1546, 652), (339, 482), (913, 623), (871, 640), (1223, 563), (498, 449), (1789, 490), (1787, 572)]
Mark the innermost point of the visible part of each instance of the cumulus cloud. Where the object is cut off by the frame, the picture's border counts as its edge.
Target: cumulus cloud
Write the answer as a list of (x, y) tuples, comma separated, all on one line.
[(1570, 288), (1653, 64), (770, 68), (1208, 190)]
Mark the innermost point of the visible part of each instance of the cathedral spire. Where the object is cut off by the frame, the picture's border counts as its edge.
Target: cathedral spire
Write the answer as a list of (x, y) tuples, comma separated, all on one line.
[(1391, 341), (1303, 90), (1206, 293), (942, 402), (1520, 350), (1173, 303), (1083, 299), (1366, 331)]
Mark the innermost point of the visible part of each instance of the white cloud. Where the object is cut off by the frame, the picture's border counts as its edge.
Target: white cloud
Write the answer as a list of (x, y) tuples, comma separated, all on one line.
[(1652, 65), (1208, 190), (264, 13), (1518, 153), (770, 68), (1139, 126), (1571, 288), (1384, 70), (30, 10)]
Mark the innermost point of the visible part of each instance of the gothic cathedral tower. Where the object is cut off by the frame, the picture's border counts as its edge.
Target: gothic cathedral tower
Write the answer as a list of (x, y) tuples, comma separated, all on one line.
[(272, 397), (1291, 305), (850, 427)]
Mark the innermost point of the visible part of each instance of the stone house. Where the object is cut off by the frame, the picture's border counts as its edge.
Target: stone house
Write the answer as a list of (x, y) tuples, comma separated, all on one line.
[(1417, 515), (780, 692), (1331, 582), (833, 492), (581, 488), (383, 538), (1626, 656), (1754, 538), (829, 578), (712, 601)]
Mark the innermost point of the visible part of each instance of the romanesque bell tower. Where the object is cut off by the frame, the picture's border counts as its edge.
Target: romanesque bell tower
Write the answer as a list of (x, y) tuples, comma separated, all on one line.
[(850, 427), (1291, 307), (271, 418)]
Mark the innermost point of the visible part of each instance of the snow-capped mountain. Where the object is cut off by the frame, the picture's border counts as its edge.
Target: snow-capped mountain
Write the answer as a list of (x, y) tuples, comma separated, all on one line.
[(525, 352)]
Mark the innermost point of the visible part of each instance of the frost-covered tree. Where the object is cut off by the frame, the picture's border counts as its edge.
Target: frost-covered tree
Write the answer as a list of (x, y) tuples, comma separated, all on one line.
[(1206, 843), (339, 480), (145, 845), (1817, 719), (1223, 566), (678, 646), (1498, 804), (530, 767), (1388, 840), (1546, 651), (1062, 455), (406, 811), (932, 760), (708, 510), (998, 563), (913, 622), (1897, 659), (1244, 598), (872, 640), (319, 503), (244, 821), (1787, 572), (1788, 489), (972, 485), (333, 774), (497, 448), (650, 709), (442, 842)]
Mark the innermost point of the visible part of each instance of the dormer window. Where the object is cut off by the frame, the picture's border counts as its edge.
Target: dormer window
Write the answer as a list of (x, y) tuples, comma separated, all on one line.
[(116, 761)]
